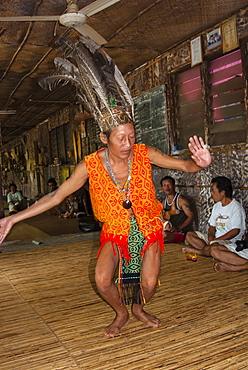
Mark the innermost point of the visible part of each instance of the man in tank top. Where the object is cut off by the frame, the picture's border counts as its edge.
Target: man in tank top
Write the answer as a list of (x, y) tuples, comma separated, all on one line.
[(177, 213)]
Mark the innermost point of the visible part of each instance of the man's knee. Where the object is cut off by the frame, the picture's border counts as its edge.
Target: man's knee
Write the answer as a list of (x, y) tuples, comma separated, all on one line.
[(149, 284), (214, 251), (103, 281), (190, 235)]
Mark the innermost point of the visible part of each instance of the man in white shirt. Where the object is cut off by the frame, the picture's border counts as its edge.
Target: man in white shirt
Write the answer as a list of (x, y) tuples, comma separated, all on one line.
[(226, 226), (14, 199)]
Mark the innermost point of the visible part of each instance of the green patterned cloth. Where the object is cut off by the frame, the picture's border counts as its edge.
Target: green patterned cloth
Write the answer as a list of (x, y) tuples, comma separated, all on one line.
[(129, 279)]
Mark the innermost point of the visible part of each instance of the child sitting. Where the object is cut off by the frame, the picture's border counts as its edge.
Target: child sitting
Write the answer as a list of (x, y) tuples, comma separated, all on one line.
[(71, 207)]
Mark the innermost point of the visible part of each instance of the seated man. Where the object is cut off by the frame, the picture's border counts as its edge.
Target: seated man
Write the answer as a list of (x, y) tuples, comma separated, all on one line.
[(60, 208), (226, 226), (52, 184), (83, 197), (177, 213), (14, 199)]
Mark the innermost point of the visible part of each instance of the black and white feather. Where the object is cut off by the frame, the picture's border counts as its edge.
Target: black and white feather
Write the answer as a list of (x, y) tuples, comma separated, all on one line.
[(99, 83)]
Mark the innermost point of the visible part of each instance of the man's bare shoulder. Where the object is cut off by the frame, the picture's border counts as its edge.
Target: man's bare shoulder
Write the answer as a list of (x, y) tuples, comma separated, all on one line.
[(183, 200)]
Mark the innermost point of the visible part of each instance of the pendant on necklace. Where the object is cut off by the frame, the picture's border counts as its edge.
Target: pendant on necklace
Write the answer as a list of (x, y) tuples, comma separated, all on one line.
[(127, 204)]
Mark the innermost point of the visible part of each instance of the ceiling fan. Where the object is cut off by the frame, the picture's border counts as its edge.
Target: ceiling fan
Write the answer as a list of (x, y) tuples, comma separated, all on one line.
[(73, 17)]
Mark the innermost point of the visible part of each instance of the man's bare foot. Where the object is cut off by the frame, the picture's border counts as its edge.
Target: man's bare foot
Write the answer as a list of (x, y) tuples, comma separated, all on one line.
[(222, 266), (114, 329), (148, 319), (190, 250)]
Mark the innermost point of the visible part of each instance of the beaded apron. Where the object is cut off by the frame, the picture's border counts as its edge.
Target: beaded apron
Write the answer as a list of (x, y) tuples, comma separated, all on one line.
[(129, 279)]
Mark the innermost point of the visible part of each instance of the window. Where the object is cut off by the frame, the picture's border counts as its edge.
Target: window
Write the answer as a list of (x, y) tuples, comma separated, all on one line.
[(190, 113), (61, 142), (227, 107), (221, 110)]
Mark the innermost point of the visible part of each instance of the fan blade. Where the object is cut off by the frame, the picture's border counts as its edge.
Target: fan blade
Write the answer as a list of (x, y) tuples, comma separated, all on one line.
[(30, 18), (86, 30), (96, 7)]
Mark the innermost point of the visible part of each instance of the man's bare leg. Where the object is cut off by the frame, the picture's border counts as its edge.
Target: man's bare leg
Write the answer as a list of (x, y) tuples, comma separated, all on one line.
[(198, 245), (150, 274), (222, 267), (104, 276), (227, 260)]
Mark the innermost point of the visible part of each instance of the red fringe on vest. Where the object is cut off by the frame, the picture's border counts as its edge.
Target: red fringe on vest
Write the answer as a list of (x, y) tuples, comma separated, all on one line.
[(122, 242)]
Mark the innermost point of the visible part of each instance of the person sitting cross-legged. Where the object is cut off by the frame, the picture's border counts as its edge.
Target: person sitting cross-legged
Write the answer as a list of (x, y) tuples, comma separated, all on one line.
[(14, 199), (226, 226)]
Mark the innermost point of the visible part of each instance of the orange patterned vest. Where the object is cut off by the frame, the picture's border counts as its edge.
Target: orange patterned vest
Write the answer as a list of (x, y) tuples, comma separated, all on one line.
[(107, 202)]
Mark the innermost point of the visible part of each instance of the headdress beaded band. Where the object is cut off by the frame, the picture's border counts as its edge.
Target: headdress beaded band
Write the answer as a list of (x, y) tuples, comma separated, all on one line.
[(113, 117), (125, 189)]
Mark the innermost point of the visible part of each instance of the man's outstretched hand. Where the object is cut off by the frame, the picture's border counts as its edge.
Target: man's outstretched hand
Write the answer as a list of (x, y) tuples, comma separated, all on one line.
[(6, 224), (200, 153)]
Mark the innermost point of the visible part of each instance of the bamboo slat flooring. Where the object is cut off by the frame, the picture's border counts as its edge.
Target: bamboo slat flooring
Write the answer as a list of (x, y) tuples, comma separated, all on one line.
[(53, 319), (43, 225)]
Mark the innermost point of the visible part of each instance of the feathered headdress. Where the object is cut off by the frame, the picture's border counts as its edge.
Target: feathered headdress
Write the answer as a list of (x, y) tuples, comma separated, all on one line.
[(100, 85)]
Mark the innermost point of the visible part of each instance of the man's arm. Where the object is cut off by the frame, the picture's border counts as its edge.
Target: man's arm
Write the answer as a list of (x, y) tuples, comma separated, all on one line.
[(201, 157), (77, 179), (185, 206), (19, 196), (229, 235), (9, 201), (211, 233)]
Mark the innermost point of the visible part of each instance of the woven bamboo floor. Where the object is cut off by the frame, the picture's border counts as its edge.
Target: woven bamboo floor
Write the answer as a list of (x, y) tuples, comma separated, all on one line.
[(53, 319), (42, 226)]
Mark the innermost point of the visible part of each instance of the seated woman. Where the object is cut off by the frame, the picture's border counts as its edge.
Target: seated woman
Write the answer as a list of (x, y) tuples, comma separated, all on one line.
[(14, 199)]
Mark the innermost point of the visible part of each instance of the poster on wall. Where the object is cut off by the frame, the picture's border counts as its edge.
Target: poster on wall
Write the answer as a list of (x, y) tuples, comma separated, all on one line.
[(229, 34), (214, 38), (196, 51), (65, 173)]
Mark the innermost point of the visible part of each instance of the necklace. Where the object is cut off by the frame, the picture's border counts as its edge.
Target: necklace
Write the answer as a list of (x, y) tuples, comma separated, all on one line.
[(167, 200), (125, 189)]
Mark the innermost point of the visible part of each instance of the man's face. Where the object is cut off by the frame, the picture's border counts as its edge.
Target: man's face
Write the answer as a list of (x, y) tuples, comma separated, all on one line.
[(216, 194), (12, 189), (52, 186), (121, 141), (168, 187)]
